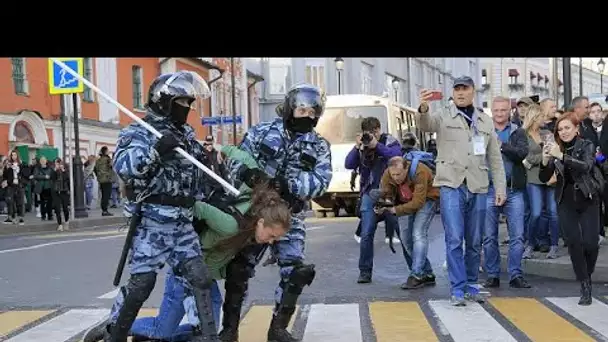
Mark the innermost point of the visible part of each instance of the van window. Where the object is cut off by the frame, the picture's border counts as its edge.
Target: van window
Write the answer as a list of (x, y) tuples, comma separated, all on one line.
[(341, 125)]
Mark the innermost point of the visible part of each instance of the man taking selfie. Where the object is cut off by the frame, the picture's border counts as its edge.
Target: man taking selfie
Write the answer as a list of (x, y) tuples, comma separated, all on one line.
[(370, 154), (467, 148)]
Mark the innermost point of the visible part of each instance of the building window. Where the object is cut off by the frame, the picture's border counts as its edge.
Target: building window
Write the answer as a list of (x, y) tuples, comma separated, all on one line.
[(315, 75), (19, 76), (278, 69), (471, 69), (484, 104), (484, 76), (88, 74), (138, 89), (366, 78)]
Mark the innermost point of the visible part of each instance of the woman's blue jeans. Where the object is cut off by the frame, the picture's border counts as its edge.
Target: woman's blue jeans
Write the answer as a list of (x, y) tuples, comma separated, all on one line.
[(542, 196), (166, 324)]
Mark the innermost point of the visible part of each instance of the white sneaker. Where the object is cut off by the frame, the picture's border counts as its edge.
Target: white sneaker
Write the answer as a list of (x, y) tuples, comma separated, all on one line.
[(445, 265), (386, 241), (601, 240), (396, 240), (38, 212), (60, 228), (357, 238)]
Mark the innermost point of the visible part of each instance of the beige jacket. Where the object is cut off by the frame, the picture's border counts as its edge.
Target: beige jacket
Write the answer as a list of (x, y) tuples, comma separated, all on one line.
[(455, 159)]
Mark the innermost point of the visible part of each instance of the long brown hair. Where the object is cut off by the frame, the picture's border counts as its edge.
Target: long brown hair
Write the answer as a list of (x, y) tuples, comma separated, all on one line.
[(267, 204), (570, 116)]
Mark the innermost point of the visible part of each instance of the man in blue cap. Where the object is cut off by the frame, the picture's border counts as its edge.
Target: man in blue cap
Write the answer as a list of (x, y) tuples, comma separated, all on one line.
[(466, 144)]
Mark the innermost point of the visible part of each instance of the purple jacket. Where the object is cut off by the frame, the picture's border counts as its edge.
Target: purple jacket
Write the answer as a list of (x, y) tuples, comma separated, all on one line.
[(370, 175)]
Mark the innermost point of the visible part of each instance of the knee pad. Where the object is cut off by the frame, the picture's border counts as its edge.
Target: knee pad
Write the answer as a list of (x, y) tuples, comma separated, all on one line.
[(300, 276), (195, 271), (141, 285)]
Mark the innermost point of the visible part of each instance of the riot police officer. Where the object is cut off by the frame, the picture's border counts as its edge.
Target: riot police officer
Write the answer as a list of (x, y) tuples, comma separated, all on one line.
[(298, 160), (165, 183)]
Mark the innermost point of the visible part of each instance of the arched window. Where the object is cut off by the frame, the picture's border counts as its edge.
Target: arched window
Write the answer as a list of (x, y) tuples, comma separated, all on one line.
[(23, 133)]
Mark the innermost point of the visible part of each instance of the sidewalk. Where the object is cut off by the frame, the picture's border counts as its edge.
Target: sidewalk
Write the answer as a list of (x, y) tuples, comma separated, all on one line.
[(35, 224), (560, 268)]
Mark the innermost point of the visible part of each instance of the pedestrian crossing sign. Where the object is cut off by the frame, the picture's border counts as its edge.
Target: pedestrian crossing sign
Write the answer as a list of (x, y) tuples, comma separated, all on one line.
[(61, 81)]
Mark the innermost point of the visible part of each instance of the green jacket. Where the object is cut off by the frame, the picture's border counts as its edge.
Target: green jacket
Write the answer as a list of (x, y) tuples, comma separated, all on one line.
[(103, 169), (221, 224)]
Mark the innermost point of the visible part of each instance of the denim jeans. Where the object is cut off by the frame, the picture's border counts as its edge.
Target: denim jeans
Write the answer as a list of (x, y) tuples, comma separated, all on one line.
[(369, 224), (88, 191), (463, 215), (166, 324), (414, 231), (542, 196), (514, 209)]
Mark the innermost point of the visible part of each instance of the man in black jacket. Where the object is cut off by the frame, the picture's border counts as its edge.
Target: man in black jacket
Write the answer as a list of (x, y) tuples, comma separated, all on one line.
[(514, 148)]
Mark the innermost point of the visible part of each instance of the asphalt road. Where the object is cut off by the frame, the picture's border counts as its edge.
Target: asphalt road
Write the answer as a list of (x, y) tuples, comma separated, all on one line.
[(75, 270)]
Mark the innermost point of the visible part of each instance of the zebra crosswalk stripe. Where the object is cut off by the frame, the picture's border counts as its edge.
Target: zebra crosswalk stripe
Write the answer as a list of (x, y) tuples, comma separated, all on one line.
[(501, 319)]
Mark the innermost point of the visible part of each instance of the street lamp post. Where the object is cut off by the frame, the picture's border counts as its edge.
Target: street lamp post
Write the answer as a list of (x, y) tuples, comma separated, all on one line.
[(396, 85), (600, 66), (80, 210), (339, 67)]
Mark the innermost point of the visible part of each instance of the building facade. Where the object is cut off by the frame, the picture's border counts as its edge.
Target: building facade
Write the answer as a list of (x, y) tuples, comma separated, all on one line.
[(519, 77), (372, 76), (30, 116)]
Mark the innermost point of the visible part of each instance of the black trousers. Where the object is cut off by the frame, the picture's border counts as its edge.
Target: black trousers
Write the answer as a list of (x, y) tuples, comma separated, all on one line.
[(61, 202), (106, 192), (580, 226), (46, 204), (14, 200)]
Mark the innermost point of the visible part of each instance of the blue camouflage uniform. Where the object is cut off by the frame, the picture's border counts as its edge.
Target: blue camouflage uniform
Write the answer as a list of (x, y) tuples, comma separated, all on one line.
[(165, 234), (279, 155)]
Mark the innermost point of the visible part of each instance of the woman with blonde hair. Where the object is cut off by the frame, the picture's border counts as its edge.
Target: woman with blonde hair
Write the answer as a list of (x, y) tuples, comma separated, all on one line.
[(540, 195)]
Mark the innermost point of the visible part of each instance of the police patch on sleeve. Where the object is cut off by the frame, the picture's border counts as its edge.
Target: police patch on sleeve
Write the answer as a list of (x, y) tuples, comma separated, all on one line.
[(125, 141)]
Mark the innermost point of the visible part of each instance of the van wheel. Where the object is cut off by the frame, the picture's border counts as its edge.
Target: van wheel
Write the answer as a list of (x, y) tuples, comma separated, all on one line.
[(319, 214)]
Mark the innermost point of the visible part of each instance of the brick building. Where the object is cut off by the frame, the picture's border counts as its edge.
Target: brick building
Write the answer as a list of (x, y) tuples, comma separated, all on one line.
[(30, 116)]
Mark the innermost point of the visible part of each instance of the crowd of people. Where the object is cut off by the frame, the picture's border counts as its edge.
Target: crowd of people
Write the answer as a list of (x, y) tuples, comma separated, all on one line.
[(44, 186), (540, 169)]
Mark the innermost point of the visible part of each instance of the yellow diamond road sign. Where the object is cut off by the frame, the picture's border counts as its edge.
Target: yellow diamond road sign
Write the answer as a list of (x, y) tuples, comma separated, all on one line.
[(61, 81)]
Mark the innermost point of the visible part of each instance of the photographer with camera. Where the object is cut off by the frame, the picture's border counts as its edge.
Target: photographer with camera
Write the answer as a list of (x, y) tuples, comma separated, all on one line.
[(370, 155), (410, 188)]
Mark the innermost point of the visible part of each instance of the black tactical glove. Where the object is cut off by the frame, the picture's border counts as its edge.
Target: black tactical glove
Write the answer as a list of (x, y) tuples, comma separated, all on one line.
[(165, 145), (253, 177), (295, 204)]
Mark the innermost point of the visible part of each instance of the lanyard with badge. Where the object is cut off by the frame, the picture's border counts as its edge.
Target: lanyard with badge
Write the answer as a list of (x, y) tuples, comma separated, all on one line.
[(479, 146)]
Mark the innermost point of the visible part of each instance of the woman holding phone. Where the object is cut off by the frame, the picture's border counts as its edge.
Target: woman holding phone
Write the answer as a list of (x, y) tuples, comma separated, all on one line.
[(540, 195), (577, 194)]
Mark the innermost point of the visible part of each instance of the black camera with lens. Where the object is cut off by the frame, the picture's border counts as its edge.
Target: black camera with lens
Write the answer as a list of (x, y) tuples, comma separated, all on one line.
[(366, 138)]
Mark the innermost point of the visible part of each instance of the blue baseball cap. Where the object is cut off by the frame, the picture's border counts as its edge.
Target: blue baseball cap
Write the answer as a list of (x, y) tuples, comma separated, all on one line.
[(464, 81)]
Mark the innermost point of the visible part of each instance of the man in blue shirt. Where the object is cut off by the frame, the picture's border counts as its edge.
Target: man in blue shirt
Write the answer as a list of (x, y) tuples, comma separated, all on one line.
[(514, 147)]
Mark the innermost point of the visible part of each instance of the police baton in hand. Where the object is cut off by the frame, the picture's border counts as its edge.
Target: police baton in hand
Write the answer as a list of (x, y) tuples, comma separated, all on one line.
[(137, 215)]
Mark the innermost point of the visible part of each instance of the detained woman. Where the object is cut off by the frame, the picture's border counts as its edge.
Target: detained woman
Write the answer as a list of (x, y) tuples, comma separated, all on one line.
[(261, 217), (577, 195)]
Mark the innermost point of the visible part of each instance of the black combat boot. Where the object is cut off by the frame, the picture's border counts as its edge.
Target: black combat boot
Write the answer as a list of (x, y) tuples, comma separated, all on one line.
[(585, 293), (278, 326), (100, 332)]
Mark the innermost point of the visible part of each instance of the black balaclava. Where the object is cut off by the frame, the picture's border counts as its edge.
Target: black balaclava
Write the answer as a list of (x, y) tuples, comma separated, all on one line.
[(301, 125), (179, 114)]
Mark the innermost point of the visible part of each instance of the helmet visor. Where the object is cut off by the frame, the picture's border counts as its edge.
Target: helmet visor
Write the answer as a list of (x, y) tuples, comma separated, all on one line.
[(186, 84), (305, 98)]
